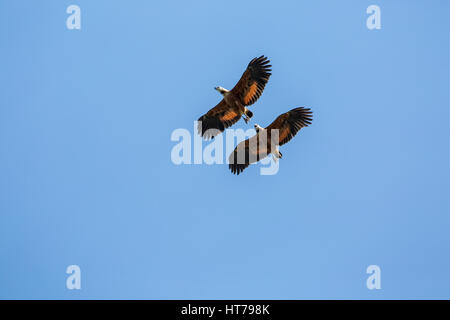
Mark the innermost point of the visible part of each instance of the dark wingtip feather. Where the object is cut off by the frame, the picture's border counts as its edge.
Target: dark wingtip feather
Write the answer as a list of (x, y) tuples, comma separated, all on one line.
[(261, 71), (302, 115), (234, 164), (237, 168), (209, 127)]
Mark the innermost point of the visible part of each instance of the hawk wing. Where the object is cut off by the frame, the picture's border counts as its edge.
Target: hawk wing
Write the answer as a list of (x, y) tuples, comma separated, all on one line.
[(290, 123), (252, 83), (217, 120), (247, 152)]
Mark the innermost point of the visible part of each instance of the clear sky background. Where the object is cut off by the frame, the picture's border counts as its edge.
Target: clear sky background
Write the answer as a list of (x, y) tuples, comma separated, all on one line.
[(86, 176)]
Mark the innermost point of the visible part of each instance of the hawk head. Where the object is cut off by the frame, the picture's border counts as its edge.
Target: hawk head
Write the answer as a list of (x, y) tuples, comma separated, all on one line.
[(221, 90), (258, 128)]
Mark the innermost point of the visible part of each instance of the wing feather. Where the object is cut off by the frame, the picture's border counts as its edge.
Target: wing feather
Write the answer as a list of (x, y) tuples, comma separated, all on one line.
[(290, 123), (217, 120), (252, 83), (247, 152)]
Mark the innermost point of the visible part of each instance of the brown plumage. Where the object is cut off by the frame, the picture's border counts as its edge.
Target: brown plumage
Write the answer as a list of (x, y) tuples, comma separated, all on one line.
[(233, 105), (261, 145)]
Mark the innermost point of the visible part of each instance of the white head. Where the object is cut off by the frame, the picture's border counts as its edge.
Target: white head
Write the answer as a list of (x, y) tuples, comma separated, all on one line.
[(221, 90), (258, 128)]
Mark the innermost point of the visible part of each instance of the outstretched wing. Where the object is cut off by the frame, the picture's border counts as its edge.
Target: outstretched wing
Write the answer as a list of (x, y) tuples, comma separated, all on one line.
[(217, 120), (247, 152), (252, 83), (290, 123)]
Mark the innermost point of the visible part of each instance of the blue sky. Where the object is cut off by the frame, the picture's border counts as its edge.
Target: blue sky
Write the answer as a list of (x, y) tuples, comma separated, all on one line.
[(86, 176)]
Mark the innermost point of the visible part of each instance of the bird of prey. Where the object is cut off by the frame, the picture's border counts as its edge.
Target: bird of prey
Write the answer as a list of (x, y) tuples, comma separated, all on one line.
[(266, 140), (235, 101)]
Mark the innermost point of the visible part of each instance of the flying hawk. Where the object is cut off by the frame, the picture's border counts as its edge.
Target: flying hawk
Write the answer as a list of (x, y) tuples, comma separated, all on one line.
[(235, 101), (261, 145)]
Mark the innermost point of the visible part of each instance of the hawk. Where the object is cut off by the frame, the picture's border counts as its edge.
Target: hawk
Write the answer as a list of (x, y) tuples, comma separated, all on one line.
[(235, 101), (267, 140)]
